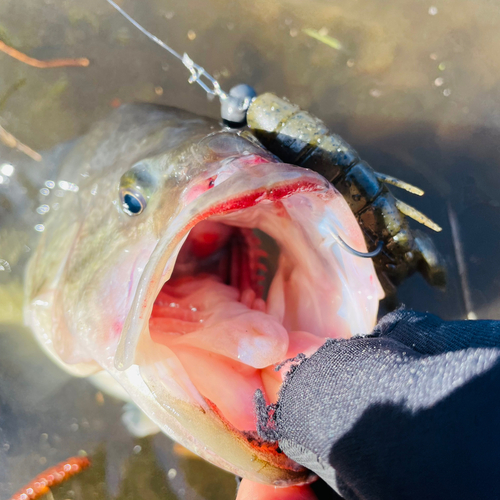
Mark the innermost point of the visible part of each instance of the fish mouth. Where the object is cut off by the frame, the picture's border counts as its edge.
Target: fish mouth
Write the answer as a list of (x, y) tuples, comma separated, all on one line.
[(213, 317)]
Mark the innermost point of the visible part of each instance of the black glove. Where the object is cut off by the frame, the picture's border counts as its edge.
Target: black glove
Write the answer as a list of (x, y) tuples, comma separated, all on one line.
[(409, 412)]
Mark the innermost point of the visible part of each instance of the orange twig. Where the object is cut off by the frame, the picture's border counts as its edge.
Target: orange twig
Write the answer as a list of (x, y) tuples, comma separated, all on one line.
[(9, 140), (51, 477), (53, 63)]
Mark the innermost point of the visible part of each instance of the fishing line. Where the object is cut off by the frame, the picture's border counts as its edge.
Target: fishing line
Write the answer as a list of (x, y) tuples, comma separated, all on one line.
[(197, 72), (234, 105)]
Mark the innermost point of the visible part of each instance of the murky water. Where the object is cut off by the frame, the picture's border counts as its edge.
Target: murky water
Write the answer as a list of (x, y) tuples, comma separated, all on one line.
[(413, 86)]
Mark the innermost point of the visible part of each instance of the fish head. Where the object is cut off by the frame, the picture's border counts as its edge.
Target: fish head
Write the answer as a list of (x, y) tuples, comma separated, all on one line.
[(152, 269)]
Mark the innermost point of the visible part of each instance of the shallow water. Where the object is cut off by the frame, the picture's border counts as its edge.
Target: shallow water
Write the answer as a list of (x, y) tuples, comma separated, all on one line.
[(413, 87)]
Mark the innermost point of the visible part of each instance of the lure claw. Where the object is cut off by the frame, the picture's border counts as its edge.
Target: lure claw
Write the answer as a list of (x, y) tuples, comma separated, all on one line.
[(387, 179), (414, 214)]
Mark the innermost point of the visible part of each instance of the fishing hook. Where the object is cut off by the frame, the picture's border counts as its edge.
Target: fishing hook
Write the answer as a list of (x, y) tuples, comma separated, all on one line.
[(357, 253)]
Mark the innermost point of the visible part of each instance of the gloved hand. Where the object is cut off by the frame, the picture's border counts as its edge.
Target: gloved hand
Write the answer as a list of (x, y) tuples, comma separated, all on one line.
[(411, 411)]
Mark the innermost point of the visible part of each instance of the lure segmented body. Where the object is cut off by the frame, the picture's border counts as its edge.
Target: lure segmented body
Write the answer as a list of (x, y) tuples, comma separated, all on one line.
[(51, 477), (297, 137)]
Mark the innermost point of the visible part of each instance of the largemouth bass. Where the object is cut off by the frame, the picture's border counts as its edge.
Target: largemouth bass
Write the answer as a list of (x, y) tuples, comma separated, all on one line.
[(149, 268)]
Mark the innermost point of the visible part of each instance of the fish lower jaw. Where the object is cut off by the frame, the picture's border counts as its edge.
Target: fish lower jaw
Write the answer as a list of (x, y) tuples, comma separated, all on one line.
[(225, 332)]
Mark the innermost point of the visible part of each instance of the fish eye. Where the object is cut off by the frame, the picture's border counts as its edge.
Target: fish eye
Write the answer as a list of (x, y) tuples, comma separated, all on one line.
[(133, 203), (137, 185)]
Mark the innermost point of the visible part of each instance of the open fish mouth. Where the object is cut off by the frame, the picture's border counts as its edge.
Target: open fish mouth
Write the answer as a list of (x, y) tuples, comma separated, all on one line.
[(205, 329)]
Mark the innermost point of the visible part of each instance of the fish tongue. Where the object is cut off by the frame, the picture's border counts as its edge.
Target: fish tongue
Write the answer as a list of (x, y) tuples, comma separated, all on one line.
[(204, 313)]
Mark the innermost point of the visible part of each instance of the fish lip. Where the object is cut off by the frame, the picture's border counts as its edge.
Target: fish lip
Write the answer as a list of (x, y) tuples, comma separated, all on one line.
[(300, 181)]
